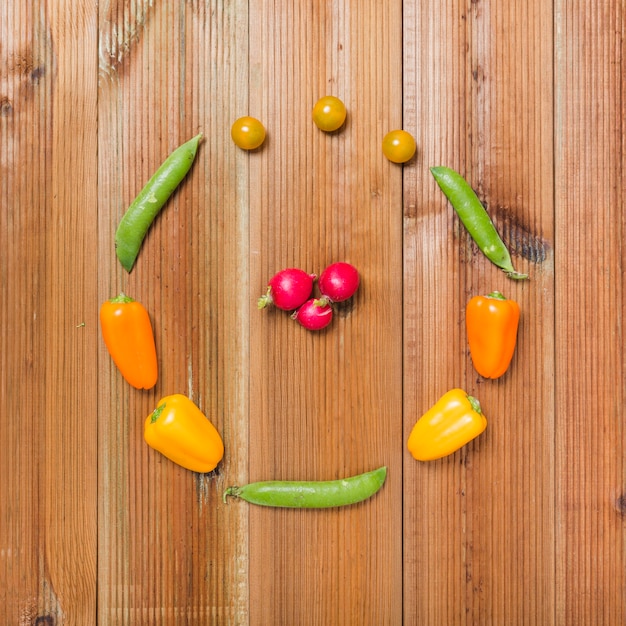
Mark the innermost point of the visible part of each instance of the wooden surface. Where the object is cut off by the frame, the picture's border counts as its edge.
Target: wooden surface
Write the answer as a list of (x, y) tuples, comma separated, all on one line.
[(526, 525)]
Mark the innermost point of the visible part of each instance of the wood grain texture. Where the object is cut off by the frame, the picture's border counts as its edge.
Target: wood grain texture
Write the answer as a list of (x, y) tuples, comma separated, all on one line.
[(589, 210), (48, 537), (479, 525), (526, 99), (326, 405), (171, 552)]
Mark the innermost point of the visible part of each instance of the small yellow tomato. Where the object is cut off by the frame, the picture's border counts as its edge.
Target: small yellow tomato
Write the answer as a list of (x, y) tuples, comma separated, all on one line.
[(399, 146), (248, 133), (329, 113)]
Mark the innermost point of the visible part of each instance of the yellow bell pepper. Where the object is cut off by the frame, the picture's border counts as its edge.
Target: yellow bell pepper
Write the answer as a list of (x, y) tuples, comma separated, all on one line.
[(454, 420), (179, 430)]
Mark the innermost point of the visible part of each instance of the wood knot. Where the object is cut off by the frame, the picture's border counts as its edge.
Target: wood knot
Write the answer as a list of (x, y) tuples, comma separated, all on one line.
[(37, 74), (410, 211), (620, 504), (6, 107), (343, 309), (44, 620), (518, 238)]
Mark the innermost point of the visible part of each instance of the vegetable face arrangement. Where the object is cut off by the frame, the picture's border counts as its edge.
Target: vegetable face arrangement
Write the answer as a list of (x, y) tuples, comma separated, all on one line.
[(140, 214), (128, 336), (311, 495), (476, 219), (452, 422), (181, 432), (491, 323)]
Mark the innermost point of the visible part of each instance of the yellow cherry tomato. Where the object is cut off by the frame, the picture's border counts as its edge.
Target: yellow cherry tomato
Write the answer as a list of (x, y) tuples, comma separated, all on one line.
[(399, 146), (329, 113), (248, 133)]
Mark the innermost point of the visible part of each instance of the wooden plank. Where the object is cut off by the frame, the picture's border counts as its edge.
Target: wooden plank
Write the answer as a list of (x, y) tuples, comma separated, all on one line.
[(479, 525), (48, 491), (590, 189), (326, 405), (47, 234), (21, 338), (170, 551), (525, 525)]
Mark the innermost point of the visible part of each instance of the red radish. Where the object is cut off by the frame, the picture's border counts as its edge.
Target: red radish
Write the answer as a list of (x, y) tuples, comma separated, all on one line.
[(313, 316), (288, 289), (338, 282)]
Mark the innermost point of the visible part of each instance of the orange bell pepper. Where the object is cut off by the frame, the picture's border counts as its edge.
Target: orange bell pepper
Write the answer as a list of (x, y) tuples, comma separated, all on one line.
[(179, 430), (492, 323), (128, 336), (453, 421)]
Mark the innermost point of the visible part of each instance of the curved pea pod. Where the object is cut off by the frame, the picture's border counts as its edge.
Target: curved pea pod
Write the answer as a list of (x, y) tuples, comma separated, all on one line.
[(475, 219), (137, 219), (453, 421), (311, 494), (492, 322), (179, 430)]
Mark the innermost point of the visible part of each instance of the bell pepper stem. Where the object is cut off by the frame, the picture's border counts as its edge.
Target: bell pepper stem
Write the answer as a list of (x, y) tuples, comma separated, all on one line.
[(496, 295), (157, 413), (121, 299), (475, 404)]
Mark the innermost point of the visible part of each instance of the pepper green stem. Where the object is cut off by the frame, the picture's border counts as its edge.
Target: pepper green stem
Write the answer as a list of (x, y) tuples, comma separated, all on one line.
[(496, 295), (157, 413), (121, 299), (475, 404)]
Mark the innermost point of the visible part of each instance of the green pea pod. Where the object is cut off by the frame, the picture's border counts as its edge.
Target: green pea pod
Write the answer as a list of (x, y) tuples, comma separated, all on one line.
[(476, 219), (311, 495), (145, 207)]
